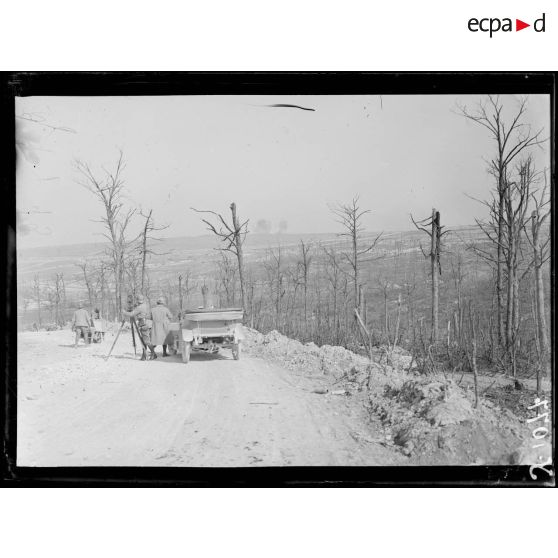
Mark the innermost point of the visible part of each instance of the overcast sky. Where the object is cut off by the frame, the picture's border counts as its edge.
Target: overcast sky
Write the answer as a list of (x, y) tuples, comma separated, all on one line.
[(401, 154)]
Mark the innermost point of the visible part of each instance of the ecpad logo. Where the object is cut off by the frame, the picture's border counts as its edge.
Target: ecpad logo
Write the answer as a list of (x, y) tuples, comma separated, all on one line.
[(493, 25)]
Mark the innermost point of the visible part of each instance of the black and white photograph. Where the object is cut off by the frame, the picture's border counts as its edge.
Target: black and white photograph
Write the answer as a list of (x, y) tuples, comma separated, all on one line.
[(284, 280)]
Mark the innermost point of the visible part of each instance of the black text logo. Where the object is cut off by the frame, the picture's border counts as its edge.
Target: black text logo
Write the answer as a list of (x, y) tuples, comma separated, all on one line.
[(493, 25)]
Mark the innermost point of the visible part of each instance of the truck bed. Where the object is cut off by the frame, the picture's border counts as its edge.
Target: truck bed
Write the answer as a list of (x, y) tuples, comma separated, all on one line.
[(213, 315)]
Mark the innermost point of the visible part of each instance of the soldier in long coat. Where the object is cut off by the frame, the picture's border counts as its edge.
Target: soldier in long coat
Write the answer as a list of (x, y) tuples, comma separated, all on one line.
[(141, 313), (161, 320)]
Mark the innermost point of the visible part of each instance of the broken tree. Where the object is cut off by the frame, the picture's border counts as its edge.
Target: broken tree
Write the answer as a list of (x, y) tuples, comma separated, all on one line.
[(232, 235), (435, 235)]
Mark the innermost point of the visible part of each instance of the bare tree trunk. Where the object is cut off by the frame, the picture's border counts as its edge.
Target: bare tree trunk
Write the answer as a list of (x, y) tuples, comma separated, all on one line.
[(500, 262), (475, 370), (396, 334), (434, 261), (144, 249), (87, 280), (37, 289), (511, 140), (335, 318), (305, 263), (386, 322), (516, 309), (436, 235), (58, 298), (355, 263), (180, 295), (239, 254), (509, 308), (539, 297)]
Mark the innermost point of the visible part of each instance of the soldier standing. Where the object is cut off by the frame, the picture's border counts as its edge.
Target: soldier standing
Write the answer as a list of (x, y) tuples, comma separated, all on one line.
[(161, 319), (81, 323), (141, 314)]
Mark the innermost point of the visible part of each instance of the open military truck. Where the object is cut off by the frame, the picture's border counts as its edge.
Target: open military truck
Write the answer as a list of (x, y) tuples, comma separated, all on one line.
[(208, 330)]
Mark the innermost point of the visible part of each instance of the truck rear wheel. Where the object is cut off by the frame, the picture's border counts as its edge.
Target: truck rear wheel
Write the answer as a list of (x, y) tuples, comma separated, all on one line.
[(236, 351)]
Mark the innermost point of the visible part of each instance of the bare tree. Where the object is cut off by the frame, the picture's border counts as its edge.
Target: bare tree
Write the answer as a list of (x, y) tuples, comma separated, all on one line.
[(384, 286), (505, 229), (473, 352), (56, 297), (350, 216), (458, 274), (88, 280), (540, 246), (332, 273), (135, 281), (233, 236), (59, 298), (185, 286), (101, 287), (293, 282), (436, 233), (226, 280), (108, 191), (510, 142), (410, 287), (37, 293), (304, 263), (144, 239), (516, 202), (276, 280)]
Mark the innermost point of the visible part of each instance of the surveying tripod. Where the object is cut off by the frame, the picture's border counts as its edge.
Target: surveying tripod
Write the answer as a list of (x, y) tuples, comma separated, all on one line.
[(135, 329)]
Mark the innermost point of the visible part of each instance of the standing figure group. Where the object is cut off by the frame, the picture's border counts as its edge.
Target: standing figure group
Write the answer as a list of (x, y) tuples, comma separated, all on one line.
[(153, 325)]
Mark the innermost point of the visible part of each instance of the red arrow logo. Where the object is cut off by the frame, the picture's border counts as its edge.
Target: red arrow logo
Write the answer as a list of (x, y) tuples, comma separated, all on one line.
[(519, 25)]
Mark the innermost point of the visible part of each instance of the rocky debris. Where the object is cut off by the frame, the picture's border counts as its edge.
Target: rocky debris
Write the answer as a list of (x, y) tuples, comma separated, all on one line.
[(440, 403), (306, 357), (343, 367), (434, 422), (430, 419)]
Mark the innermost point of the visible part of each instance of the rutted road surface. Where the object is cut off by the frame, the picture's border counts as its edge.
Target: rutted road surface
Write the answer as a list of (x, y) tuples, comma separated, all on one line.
[(75, 408)]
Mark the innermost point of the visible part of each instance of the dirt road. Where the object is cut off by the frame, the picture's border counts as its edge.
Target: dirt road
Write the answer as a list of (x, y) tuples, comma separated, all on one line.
[(75, 408)]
